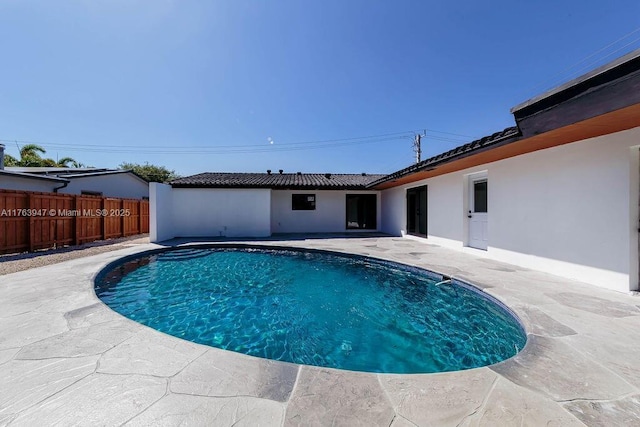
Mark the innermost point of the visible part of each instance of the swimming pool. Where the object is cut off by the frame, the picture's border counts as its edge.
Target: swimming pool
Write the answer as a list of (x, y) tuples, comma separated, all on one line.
[(314, 308)]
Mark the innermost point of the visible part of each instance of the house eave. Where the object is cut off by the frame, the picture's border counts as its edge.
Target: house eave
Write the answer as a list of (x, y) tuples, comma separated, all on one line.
[(284, 188)]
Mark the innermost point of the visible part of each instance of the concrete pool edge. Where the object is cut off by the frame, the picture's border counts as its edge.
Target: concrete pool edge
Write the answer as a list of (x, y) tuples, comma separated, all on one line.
[(173, 377)]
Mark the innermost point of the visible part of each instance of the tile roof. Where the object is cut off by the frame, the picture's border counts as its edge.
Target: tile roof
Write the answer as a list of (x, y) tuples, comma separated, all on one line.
[(292, 181), (509, 134)]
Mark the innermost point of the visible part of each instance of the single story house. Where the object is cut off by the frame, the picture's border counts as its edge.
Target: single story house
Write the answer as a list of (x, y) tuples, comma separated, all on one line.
[(92, 181), (262, 204), (558, 192)]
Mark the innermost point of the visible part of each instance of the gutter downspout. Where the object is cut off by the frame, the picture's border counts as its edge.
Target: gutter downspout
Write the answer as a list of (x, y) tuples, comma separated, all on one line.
[(55, 190)]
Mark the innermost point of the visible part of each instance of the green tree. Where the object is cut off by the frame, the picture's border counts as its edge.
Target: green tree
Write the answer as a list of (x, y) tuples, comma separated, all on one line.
[(30, 155), (64, 162), (9, 160), (149, 172)]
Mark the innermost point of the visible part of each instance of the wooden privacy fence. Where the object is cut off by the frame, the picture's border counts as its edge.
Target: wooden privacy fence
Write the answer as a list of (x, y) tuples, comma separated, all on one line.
[(30, 221)]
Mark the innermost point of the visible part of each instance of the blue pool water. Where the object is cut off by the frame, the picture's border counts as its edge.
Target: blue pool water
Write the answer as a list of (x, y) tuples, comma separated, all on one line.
[(313, 308)]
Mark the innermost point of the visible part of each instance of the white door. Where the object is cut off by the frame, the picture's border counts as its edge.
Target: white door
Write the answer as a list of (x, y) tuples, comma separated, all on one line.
[(478, 213)]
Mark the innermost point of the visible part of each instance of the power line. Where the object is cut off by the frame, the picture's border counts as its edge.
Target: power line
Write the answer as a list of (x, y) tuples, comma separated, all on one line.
[(556, 77), (241, 148)]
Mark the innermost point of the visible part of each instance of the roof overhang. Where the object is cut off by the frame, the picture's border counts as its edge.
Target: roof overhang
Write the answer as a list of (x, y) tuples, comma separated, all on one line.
[(614, 121), (603, 101), (104, 173), (275, 188), (22, 175)]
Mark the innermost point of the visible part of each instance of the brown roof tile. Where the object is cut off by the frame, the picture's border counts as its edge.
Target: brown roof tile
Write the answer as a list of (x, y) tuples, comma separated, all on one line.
[(293, 181)]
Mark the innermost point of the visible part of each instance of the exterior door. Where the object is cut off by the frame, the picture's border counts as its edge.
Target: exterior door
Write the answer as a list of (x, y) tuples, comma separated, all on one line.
[(417, 211), (478, 213), (362, 211)]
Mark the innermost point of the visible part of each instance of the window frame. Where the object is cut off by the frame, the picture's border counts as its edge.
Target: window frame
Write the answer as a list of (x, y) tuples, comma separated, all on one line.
[(303, 202)]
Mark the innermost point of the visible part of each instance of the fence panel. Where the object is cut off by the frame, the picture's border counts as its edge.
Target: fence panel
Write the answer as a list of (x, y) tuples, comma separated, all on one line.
[(88, 223), (30, 220), (131, 220), (51, 222), (144, 216), (112, 221), (14, 228)]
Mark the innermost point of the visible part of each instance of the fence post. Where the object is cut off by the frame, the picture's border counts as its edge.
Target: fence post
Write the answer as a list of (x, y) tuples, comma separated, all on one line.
[(32, 220), (103, 222), (139, 216), (122, 223), (76, 219)]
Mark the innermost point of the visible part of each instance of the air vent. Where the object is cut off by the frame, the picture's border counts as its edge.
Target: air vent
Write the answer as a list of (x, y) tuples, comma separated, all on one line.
[(268, 171), (327, 175)]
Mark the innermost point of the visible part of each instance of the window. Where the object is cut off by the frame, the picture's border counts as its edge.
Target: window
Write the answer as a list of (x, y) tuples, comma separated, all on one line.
[(480, 196), (303, 202), (361, 211), (90, 193)]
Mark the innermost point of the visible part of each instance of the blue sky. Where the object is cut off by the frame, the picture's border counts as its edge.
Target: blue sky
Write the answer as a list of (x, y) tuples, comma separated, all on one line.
[(244, 85)]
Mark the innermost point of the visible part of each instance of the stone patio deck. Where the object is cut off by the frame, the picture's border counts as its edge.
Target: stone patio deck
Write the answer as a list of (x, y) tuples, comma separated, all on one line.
[(66, 359)]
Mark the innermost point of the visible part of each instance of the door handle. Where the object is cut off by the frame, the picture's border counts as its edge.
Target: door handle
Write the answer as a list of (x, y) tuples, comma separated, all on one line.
[(469, 216)]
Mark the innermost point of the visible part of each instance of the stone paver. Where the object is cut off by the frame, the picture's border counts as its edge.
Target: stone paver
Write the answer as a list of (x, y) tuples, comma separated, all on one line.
[(222, 373), (624, 412), (150, 353), (343, 398), (25, 383), (184, 410), (439, 399), (97, 400), (66, 358), (574, 375), (511, 405), (79, 342)]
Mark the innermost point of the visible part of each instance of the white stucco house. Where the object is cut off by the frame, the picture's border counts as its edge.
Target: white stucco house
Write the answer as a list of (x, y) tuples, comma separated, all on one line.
[(558, 192), (92, 181), (262, 204)]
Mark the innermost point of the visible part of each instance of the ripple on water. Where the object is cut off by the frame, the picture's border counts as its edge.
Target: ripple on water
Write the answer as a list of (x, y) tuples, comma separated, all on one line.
[(313, 308)]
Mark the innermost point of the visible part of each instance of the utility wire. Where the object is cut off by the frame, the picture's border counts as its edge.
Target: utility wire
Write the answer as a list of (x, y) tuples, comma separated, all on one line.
[(242, 148), (561, 76)]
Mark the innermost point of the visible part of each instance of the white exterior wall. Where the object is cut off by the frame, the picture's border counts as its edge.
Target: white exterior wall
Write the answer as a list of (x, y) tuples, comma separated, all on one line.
[(208, 212), (27, 184), (571, 210), (160, 212), (328, 217), (445, 200), (122, 185)]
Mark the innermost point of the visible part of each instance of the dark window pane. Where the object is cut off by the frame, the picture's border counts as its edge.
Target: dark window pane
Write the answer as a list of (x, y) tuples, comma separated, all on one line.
[(303, 202), (480, 196), (417, 211)]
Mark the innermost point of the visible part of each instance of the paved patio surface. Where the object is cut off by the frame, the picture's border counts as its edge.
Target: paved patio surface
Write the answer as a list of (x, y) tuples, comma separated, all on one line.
[(67, 359)]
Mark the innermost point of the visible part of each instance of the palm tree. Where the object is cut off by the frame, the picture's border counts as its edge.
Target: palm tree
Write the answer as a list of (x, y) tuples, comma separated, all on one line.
[(9, 160), (30, 155), (64, 162)]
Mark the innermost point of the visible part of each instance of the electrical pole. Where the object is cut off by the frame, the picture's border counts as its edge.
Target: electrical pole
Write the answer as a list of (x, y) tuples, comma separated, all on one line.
[(416, 146)]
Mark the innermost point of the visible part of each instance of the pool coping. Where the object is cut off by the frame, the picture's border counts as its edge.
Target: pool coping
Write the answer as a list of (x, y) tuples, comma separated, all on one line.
[(560, 375)]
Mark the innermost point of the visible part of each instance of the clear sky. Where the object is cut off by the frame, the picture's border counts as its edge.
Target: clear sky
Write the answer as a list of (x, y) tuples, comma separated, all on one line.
[(246, 86)]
